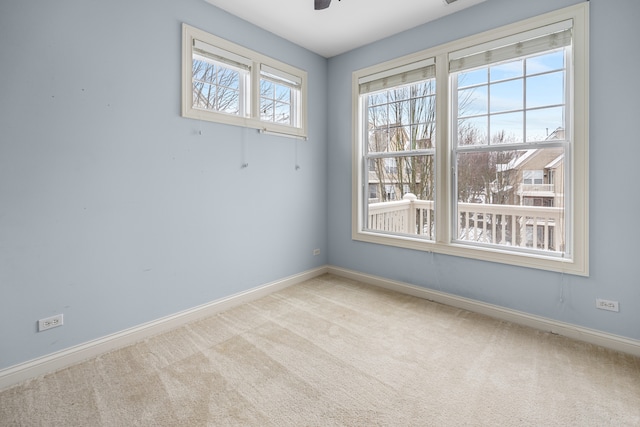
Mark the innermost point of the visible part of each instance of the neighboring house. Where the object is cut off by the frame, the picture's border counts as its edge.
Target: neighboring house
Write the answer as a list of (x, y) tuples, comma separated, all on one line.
[(534, 178)]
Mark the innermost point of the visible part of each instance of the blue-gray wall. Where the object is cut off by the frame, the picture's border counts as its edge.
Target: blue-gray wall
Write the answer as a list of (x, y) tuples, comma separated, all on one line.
[(614, 174), (114, 210)]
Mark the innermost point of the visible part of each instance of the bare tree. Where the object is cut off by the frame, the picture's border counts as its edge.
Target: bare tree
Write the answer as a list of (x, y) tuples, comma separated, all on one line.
[(215, 87)]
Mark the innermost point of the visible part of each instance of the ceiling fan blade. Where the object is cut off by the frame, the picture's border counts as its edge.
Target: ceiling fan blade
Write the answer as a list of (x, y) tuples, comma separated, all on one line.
[(322, 4)]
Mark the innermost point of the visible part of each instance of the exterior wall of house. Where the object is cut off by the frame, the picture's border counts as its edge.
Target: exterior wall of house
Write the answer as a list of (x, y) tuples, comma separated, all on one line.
[(613, 112), (116, 211)]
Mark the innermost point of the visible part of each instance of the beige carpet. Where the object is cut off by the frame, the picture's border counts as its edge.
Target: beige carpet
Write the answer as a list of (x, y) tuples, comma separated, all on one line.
[(333, 352)]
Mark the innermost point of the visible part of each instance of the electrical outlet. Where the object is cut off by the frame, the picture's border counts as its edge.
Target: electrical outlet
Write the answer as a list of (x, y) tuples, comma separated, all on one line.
[(604, 304), (50, 322), (316, 252)]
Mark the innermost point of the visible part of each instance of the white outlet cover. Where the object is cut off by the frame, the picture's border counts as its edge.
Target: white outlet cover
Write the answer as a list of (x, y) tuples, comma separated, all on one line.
[(50, 322)]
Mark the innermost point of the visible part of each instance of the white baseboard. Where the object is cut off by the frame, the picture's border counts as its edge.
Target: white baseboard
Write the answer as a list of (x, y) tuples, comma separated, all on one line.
[(62, 359), (72, 355), (613, 342)]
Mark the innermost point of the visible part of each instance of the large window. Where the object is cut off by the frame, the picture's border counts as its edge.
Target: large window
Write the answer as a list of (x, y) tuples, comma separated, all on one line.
[(227, 83), (398, 108), (504, 178)]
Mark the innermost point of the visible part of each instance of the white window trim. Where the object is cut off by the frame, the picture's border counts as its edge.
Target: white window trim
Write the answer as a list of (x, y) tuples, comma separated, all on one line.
[(578, 122), (258, 62)]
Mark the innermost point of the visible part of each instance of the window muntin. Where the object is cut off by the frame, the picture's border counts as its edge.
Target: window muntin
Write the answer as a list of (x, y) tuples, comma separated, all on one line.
[(551, 51), (227, 83)]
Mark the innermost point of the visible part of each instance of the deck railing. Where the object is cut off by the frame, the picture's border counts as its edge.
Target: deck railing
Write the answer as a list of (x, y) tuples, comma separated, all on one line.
[(525, 226)]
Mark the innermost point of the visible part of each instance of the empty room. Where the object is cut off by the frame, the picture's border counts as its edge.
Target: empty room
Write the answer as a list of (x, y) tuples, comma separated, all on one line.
[(319, 213)]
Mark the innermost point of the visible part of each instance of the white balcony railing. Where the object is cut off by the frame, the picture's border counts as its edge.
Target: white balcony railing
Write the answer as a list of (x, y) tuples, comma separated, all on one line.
[(536, 188), (524, 226)]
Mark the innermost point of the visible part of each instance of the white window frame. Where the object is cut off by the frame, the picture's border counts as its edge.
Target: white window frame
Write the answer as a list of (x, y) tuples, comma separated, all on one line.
[(577, 122), (257, 63)]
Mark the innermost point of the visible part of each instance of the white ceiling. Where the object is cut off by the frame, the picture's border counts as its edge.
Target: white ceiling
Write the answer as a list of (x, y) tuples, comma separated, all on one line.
[(345, 25)]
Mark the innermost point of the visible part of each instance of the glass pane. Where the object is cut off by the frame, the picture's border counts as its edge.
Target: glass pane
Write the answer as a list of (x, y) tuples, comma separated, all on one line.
[(546, 62), (473, 101), (471, 78), (506, 96), (378, 139), (204, 71), (508, 70), (424, 109), (228, 78), (424, 88), (399, 94), (228, 100), (266, 109), (283, 113), (507, 128), (266, 88), (423, 136), (473, 131), (545, 89), (400, 113), (203, 95), (399, 138), (512, 198), (283, 93), (407, 182), (378, 98), (378, 116), (544, 123)]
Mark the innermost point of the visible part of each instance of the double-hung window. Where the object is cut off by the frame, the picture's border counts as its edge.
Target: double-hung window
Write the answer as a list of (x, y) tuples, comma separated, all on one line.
[(398, 124), (504, 178), (509, 110), (227, 83)]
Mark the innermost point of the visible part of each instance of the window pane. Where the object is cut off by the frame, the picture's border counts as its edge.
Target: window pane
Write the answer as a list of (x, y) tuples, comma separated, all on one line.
[(378, 141), (424, 109), (228, 78), (424, 88), (283, 93), (547, 62), (512, 198), (507, 128), (505, 71), (506, 96), (283, 113), (423, 136), (266, 88), (266, 109), (378, 116), (398, 94), (472, 102), (399, 113), (471, 78), (378, 98), (542, 124), (473, 131), (545, 90)]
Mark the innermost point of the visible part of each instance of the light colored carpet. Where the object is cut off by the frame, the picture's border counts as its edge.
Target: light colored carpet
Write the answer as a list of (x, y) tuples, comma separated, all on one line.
[(333, 352)]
